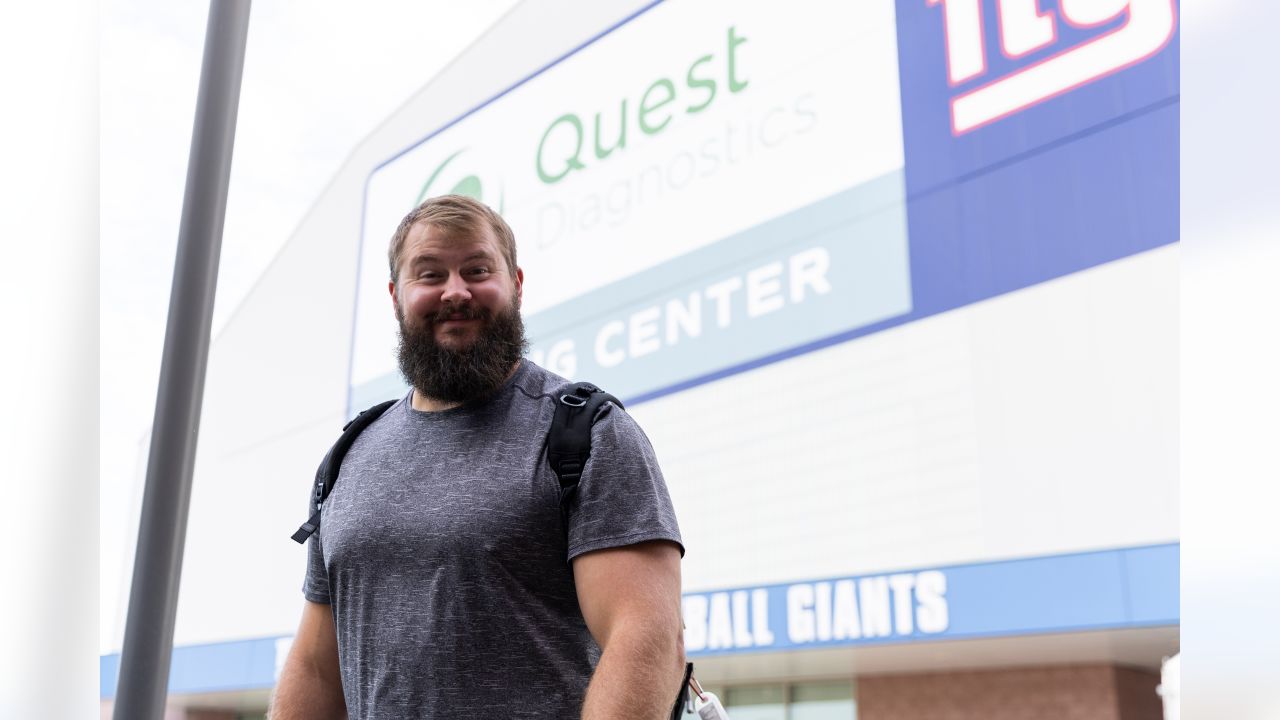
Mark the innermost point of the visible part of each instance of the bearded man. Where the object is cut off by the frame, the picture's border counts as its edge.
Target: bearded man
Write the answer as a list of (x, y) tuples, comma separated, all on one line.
[(443, 581)]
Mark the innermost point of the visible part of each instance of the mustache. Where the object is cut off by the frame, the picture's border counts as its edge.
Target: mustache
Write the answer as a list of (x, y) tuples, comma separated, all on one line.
[(460, 312)]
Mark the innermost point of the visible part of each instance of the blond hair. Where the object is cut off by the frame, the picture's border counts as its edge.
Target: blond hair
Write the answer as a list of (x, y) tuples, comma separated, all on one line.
[(457, 213)]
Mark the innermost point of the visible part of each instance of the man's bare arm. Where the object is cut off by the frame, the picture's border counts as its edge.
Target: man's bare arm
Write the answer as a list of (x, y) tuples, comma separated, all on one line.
[(630, 598), (310, 686)]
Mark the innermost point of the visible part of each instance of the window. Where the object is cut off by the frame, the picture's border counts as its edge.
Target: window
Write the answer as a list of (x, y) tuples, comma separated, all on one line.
[(822, 701), (829, 700), (756, 702)]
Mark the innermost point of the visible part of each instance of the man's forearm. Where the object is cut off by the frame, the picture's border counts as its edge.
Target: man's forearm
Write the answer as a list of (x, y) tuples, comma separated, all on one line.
[(637, 678), (303, 693)]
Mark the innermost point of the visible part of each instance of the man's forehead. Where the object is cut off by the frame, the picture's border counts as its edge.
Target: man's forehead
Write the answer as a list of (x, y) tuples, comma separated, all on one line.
[(427, 238)]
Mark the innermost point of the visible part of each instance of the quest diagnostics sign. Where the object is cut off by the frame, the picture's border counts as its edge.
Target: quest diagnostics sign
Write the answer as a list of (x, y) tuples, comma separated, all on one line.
[(710, 186), (704, 185)]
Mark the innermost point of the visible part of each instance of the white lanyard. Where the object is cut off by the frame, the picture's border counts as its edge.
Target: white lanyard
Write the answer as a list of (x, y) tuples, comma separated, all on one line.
[(706, 703)]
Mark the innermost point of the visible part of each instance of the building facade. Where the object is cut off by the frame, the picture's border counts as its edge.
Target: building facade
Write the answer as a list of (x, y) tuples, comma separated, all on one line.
[(892, 288)]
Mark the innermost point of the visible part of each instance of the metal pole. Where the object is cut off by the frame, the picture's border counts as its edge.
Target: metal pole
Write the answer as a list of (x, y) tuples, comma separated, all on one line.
[(153, 599)]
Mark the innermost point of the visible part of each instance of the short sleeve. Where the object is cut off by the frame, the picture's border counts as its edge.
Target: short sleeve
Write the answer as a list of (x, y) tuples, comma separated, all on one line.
[(622, 498), (315, 587)]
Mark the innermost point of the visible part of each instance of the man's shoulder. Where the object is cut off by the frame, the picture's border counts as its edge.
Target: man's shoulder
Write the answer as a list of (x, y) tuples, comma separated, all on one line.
[(536, 381)]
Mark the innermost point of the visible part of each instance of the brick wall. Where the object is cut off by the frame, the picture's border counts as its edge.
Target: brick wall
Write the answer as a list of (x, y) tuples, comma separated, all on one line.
[(1084, 692), (1134, 691)]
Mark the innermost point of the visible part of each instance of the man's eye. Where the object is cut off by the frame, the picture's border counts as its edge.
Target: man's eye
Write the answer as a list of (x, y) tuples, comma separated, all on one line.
[(479, 271)]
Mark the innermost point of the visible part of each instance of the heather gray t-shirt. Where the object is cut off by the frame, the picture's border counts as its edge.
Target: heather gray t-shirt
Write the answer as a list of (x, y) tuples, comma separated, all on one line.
[(443, 554)]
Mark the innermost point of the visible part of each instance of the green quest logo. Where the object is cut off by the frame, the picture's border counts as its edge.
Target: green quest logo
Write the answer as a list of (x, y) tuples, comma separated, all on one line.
[(447, 175), (563, 147)]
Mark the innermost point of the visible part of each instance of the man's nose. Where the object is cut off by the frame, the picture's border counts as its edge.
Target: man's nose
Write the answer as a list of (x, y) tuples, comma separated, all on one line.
[(455, 289)]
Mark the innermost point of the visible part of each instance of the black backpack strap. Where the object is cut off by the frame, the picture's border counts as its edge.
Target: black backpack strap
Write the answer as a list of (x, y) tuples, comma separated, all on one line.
[(568, 446), (327, 473), (569, 441), (682, 705)]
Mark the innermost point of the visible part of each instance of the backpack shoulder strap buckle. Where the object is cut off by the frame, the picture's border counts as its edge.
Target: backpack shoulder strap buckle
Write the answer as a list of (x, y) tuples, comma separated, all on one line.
[(327, 473), (569, 440)]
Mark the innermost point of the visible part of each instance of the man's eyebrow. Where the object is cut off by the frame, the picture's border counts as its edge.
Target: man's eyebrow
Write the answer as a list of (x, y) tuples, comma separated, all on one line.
[(428, 258)]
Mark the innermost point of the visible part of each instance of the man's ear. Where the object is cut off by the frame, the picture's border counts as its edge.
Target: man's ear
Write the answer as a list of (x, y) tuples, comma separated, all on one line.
[(519, 285), (395, 299)]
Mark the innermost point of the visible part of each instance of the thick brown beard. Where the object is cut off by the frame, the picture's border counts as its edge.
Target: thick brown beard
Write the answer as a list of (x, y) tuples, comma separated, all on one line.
[(464, 375)]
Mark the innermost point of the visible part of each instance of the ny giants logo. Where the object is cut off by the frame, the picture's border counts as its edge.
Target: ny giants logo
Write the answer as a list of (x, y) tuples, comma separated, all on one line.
[(1024, 28)]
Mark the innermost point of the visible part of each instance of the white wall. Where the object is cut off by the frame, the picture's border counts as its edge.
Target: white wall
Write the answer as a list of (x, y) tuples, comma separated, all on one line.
[(1042, 421)]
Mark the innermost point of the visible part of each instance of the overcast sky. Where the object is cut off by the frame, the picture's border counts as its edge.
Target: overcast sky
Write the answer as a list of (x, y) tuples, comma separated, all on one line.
[(318, 78)]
